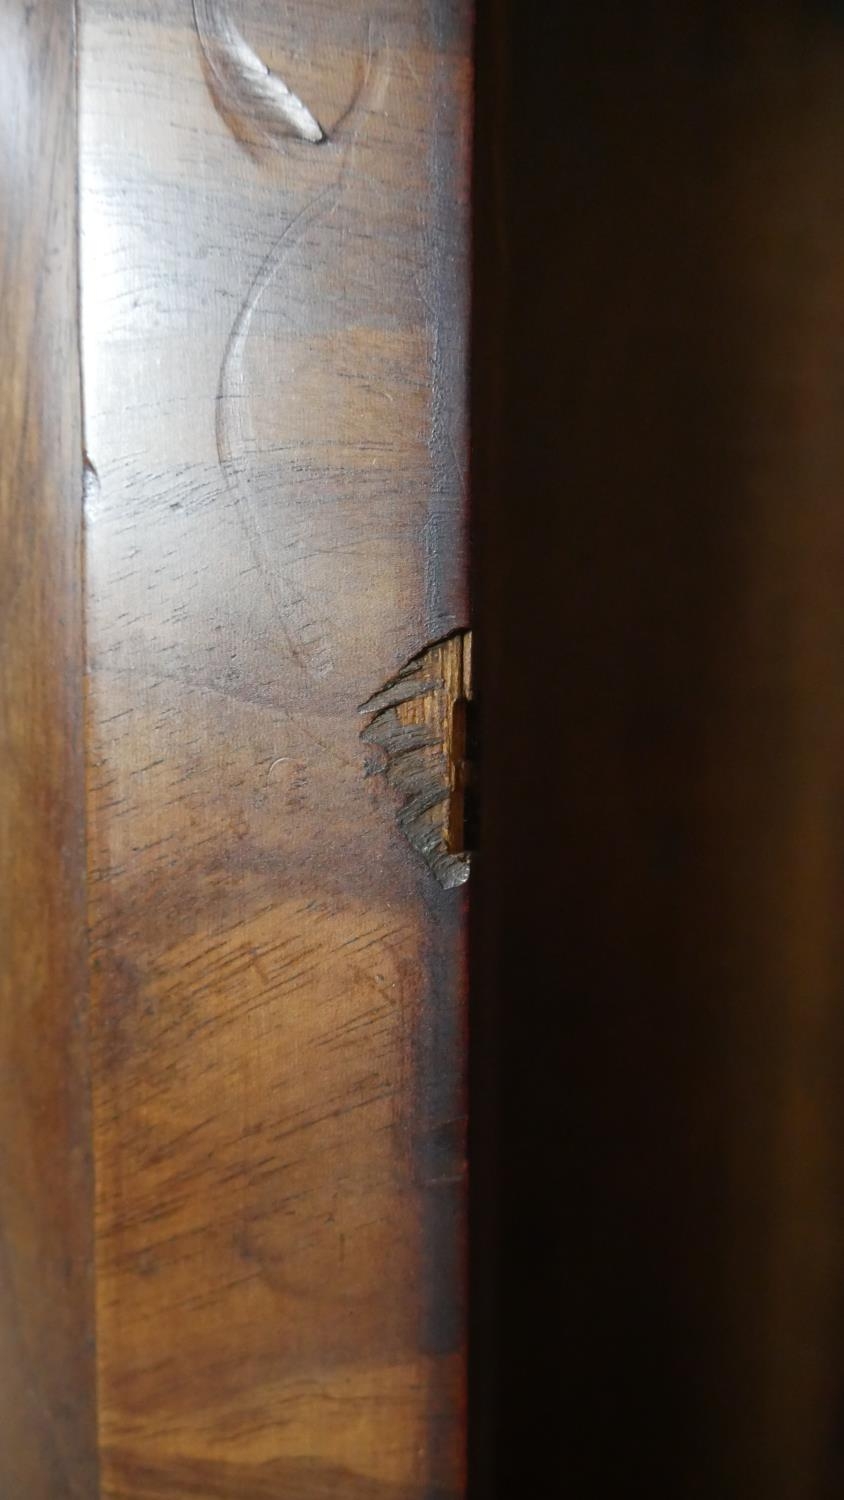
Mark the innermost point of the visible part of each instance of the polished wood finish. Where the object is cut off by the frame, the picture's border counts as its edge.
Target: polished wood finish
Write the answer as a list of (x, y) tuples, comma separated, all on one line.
[(274, 371), (47, 1424)]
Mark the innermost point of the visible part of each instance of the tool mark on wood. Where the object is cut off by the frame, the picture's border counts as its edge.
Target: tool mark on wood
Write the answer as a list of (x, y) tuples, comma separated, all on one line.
[(248, 94), (419, 719), (234, 439), (234, 436)]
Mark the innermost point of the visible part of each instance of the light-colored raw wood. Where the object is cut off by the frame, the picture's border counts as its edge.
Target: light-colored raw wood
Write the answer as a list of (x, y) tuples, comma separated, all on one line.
[(419, 721), (273, 357)]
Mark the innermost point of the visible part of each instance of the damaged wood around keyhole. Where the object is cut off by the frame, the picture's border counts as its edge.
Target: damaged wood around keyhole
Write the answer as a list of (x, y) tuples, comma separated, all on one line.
[(422, 721)]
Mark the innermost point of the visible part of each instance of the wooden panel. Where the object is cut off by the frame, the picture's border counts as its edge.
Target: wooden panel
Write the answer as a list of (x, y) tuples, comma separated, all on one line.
[(274, 391), (47, 1427), (660, 374)]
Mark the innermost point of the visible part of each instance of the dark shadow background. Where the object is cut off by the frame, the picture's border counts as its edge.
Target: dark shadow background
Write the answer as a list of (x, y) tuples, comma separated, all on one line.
[(658, 989)]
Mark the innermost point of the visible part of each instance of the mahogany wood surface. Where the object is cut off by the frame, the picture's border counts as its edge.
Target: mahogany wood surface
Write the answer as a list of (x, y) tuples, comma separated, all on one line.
[(47, 1426), (273, 291), (273, 278)]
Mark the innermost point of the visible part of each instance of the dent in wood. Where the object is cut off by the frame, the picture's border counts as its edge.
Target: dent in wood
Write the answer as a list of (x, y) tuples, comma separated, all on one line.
[(248, 93), (418, 719)]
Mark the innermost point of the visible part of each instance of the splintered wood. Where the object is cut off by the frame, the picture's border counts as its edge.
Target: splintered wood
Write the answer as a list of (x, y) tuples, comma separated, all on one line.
[(419, 721)]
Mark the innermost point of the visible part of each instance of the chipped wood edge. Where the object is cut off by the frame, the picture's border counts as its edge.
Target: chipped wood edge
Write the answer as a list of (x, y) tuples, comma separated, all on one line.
[(418, 720)]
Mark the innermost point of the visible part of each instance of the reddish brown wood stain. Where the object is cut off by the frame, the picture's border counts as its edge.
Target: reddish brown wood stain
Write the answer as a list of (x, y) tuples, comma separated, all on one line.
[(47, 1424), (273, 342)]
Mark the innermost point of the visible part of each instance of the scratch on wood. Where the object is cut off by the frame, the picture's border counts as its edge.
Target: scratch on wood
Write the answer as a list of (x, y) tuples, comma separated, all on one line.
[(234, 438), (418, 719), (245, 90)]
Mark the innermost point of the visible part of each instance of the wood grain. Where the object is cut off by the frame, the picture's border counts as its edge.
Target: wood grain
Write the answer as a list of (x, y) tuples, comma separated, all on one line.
[(47, 1425), (274, 379), (418, 721)]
